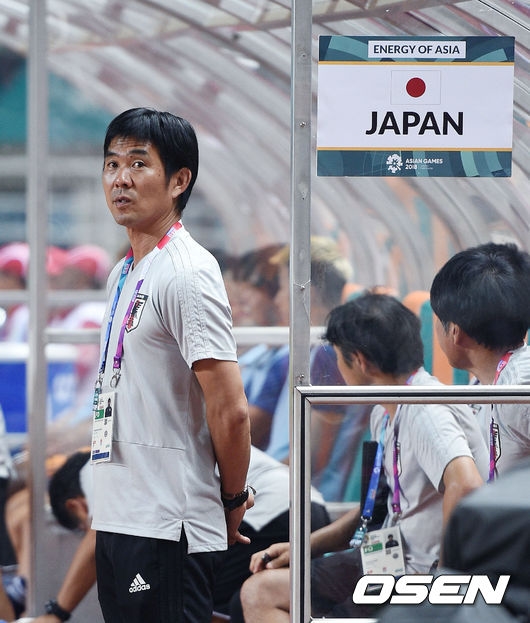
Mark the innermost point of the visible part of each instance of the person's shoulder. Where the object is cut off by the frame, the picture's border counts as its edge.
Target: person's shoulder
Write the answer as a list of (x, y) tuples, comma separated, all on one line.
[(376, 416), (422, 377), (184, 250), (426, 416), (517, 372)]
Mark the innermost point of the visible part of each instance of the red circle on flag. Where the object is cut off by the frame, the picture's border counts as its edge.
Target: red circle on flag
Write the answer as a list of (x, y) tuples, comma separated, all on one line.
[(416, 87)]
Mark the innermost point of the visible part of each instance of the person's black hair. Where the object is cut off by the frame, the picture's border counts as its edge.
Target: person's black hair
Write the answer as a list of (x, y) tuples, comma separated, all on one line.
[(64, 485), (173, 137), (379, 327), (329, 281), (485, 290), (256, 269)]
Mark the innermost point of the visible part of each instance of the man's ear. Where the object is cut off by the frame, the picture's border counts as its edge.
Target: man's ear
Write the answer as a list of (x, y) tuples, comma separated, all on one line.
[(365, 365), (458, 335), (180, 181)]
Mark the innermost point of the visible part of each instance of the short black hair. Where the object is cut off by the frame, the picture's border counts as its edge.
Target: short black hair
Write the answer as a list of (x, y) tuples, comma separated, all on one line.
[(64, 485), (485, 290), (379, 327), (255, 268), (173, 137), (330, 269)]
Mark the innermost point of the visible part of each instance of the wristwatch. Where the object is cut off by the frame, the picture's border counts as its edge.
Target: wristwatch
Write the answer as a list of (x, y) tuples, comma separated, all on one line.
[(238, 499), (52, 607)]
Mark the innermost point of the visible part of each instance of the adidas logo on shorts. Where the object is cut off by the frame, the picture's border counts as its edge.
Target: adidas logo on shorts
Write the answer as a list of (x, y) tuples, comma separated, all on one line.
[(139, 584)]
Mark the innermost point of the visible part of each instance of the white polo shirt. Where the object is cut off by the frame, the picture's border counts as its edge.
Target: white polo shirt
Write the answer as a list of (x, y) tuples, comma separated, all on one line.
[(161, 476)]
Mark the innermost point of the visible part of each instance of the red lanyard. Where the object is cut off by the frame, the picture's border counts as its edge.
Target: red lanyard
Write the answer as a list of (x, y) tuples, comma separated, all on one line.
[(494, 428), (501, 365)]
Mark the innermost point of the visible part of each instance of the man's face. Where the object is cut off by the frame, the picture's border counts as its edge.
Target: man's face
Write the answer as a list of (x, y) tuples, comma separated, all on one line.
[(135, 186), (10, 282), (443, 336), (251, 306), (446, 339), (352, 373), (281, 299)]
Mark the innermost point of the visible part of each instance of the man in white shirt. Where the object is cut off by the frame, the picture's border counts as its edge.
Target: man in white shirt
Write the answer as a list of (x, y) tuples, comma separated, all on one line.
[(481, 298)]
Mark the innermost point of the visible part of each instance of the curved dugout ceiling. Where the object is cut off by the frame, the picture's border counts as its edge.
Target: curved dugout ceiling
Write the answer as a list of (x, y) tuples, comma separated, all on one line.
[(225, 65)]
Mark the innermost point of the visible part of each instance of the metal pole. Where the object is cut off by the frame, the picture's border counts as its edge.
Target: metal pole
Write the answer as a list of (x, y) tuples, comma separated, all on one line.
[(36, 367), (300, 323)]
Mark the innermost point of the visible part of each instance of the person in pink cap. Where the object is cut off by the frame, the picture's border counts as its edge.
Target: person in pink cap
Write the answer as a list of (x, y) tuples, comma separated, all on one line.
[(14, 260), (14, 265), (84, 267), (87, 266)]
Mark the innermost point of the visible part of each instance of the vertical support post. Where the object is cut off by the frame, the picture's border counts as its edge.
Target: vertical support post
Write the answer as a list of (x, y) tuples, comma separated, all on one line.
[(300, 322), (37, 211)]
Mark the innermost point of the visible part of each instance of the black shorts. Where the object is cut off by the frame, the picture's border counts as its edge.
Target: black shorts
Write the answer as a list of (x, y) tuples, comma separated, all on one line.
[(7, 553), (142, 579), (333, 580)]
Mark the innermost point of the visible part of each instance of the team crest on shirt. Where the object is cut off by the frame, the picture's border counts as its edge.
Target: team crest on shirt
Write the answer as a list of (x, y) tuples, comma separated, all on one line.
[(136, 312)]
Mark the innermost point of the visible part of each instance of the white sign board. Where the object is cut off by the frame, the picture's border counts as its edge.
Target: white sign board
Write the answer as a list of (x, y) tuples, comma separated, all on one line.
[(415, 107)]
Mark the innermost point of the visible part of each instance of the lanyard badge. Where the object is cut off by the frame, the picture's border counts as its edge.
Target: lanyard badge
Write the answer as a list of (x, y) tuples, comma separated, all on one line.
[(382, 552), (103, 404), (102, 426), (494, 435)]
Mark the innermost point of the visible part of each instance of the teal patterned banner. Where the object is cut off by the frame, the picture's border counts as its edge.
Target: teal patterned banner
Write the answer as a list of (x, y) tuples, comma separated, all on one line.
[(485, 49), (377, 163)]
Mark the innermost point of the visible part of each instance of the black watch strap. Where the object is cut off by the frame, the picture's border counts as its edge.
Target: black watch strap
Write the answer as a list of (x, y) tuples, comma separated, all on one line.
[(238, 500), (52, 607)]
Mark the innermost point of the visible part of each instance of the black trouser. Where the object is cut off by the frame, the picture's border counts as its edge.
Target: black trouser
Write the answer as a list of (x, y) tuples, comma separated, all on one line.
[(7, 553), (142, 579)]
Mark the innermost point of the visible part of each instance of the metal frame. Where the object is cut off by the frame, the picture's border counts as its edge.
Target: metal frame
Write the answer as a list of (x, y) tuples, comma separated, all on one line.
[(304, 398), (300, 277), (36, 376)]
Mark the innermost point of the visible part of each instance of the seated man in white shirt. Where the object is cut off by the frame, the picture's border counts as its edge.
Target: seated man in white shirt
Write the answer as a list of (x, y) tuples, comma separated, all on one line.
[(439, 450)]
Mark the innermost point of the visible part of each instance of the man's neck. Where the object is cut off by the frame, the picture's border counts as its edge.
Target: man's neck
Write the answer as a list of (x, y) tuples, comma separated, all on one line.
[(484, 364), (398, 380), (143, 242)]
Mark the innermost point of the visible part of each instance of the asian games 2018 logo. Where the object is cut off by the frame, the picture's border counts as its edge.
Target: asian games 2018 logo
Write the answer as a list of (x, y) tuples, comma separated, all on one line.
[(394, 163)]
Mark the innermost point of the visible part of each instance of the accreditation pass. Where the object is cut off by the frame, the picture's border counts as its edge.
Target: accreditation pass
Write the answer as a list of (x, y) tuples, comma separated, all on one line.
[(382, 552), (102, 424)]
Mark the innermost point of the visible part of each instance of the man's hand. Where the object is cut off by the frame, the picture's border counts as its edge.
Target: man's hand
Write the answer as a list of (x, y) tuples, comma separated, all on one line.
[(274, 557), (234, 519)]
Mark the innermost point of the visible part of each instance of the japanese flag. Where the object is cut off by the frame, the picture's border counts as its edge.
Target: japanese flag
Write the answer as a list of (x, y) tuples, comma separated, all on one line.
[(416, 87)]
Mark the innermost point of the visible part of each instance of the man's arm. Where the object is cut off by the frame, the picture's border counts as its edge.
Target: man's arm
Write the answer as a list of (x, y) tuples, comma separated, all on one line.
[(79, 578), (227, 415), (460, 477), (334, 537)]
